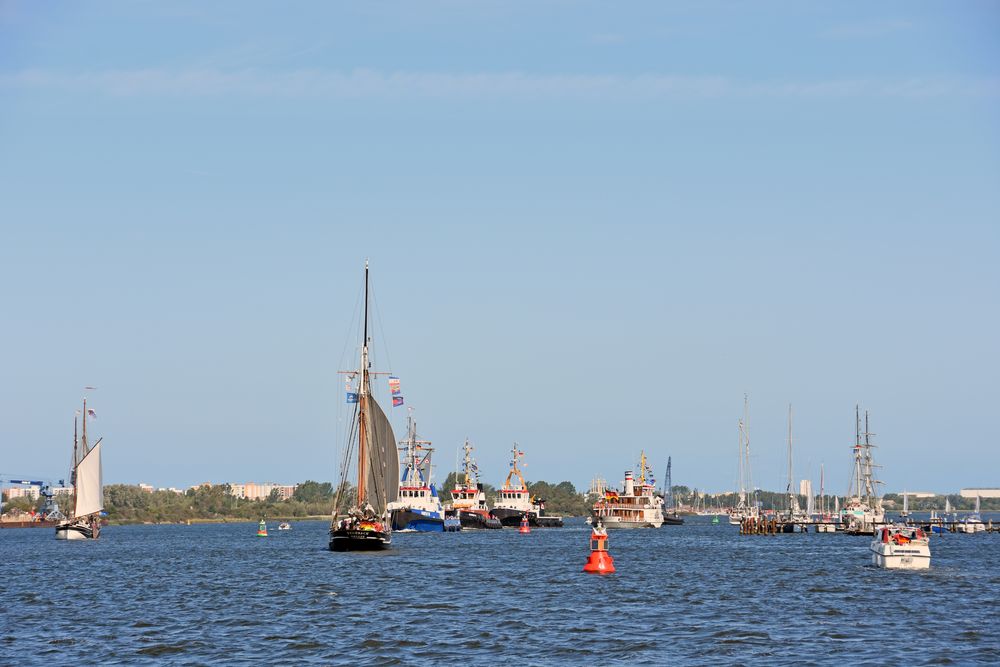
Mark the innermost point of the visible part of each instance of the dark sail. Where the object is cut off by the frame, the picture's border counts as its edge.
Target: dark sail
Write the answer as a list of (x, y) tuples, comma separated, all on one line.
[(382, 480)]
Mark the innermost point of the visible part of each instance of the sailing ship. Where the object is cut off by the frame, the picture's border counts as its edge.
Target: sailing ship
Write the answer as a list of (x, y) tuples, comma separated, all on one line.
[(366, 525), (417, 507), (863, 511), (85, 475), (468, 502), (747, 506), (513, 501), (670, 517), (636, 506)]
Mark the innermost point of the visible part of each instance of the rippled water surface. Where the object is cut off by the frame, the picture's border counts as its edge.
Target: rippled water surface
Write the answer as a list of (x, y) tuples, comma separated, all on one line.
[(692, 594)]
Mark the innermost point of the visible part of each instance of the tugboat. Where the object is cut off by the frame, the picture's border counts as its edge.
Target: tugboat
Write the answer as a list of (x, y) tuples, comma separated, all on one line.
[(514, 501), (418, 507), (635, 507), (88, 490), (901, 547), (468, 499), (366, 526)]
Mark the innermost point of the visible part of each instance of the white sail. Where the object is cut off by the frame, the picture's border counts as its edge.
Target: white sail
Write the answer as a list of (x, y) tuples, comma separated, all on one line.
[(89, 489), (947, 504)]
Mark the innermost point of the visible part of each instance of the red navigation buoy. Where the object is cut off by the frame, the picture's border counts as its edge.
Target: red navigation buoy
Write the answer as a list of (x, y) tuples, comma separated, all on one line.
[(524, 525), (600, 561)]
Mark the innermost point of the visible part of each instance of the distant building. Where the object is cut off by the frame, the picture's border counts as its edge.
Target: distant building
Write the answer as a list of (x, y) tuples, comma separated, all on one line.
[(30, 492), (806, 488), (982, 493), (918, 494), (148, 488), (255, 491)]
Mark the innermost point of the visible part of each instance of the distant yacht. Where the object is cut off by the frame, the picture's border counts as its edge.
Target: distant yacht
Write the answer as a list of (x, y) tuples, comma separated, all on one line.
[(971, 523), (636, 506), (468, 502), (417, 507), (746, 505), (85, 522)]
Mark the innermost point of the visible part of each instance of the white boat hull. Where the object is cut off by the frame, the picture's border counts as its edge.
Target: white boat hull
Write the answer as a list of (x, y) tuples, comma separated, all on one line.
[(74, 531), (894, 551), (617, 522)]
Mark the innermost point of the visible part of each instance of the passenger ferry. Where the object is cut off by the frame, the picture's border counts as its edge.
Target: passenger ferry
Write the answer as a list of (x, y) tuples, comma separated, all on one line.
[(635, 507)]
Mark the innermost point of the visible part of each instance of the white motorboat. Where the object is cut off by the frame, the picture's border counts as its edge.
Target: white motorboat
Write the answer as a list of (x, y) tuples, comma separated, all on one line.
[(901, 547), (971, 523)]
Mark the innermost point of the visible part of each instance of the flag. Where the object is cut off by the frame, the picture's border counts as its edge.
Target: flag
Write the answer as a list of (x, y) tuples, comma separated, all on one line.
[(397, 401), (89, 388), (394, 386), (91, 413), (352, 397)]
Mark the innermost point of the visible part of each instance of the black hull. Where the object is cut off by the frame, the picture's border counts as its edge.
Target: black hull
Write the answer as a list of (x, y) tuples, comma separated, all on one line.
[(473, 520), (672, 520), (359, 540), (510, 518), (546, 521)]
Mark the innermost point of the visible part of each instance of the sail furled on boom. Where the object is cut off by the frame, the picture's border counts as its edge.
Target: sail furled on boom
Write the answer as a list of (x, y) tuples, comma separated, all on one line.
[(89, 488), (382, 479)]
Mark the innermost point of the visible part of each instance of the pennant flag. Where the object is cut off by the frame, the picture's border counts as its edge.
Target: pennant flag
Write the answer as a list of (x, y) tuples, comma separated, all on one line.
[(91, 413), (352, 397), (397, 401), (394, 385)]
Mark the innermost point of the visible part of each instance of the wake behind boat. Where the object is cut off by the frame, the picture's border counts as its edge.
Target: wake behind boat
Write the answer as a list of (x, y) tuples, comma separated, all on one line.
[(366, 526), (84, 524)]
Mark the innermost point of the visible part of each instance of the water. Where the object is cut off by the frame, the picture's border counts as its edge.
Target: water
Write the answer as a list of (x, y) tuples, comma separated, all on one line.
[(692, 594)]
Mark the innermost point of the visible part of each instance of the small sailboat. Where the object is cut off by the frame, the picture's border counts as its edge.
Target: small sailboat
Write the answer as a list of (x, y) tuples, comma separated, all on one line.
[(85, 522), (262, 528), (366, 525)]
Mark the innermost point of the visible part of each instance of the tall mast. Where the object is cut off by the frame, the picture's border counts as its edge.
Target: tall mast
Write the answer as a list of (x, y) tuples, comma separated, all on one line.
[(72, 472), (362, 400), (790, 457)]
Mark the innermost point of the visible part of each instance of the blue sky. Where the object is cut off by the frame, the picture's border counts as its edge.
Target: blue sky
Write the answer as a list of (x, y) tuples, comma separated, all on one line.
[(591, 231)]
